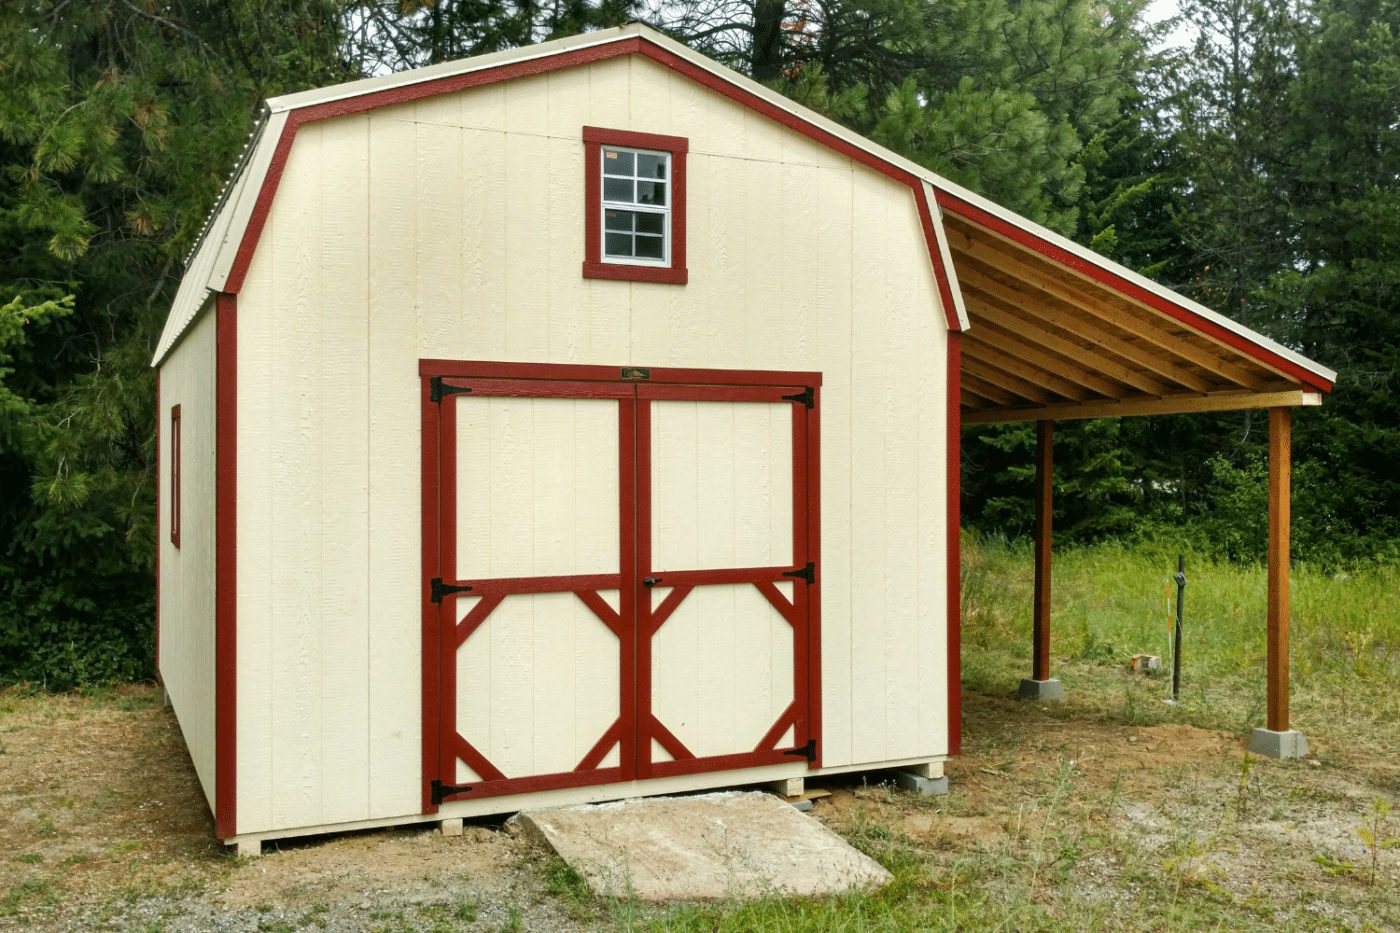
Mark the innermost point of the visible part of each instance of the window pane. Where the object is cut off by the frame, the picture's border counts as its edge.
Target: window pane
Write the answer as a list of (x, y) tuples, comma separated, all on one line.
[(617, 189), (650, 223), (651, 166), (617, 244), (617, 163), (651, 247), (651, 192), (618, 220)]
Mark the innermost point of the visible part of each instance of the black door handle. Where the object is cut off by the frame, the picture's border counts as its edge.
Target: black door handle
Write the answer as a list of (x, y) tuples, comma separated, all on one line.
[(650, 581)]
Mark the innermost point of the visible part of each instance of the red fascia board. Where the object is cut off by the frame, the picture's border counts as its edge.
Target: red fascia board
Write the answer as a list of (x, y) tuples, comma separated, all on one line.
[(625, 46), (953, 521), (1131, 290), (226, 568)]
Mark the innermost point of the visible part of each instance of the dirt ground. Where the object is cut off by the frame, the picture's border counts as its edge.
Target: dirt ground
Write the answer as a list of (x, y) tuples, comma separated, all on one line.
[(103, 826)]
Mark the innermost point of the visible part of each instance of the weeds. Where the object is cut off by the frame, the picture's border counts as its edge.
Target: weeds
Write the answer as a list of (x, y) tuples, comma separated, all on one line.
[(1373, 837)]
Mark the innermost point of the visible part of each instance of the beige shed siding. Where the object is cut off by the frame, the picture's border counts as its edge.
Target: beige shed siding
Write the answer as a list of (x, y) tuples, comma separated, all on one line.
[(187, 572), (468, 244)]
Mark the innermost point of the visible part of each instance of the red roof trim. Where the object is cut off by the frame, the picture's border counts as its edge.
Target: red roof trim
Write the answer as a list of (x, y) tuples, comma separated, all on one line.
[(226, 567), (624, 46), (1131, 289)]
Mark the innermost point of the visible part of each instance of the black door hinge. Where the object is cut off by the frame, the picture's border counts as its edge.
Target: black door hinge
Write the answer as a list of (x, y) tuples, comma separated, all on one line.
[(808, 573), (808, 751), (806, 397), (441, 589), (442, 791), (437, 390)]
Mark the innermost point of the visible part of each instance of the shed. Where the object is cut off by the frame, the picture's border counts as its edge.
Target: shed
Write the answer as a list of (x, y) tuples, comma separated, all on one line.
[(581, 422)]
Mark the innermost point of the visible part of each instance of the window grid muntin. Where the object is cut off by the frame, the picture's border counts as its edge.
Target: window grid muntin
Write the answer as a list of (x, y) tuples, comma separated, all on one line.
[(613, 209)]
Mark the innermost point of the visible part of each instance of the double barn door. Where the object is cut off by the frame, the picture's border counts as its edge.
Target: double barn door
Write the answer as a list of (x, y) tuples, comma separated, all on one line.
[(620, 575)]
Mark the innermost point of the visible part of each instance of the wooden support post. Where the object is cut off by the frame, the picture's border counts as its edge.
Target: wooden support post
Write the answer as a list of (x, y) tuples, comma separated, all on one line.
[(1280, 485), (1044, 496), (1039, 686)]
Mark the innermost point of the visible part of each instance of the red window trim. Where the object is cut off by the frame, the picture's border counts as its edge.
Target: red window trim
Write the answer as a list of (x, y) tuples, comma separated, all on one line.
[(594, 139), (175, 475)]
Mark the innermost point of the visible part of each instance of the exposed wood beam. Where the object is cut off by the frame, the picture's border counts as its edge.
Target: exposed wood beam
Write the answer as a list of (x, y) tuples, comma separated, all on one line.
[(971, 400), (957, 225), (985, 309), (1044, 518), (1119, 317), (1012, 342), (1014, 385), (975, 346), (1039, 309), (1171, 405), (985, 389), (1280, 485)]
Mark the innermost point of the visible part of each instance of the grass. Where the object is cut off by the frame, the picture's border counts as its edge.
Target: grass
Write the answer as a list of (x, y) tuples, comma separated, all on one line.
[(1110, 602)]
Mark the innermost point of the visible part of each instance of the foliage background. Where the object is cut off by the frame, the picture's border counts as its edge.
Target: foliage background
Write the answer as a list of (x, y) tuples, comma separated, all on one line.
[(1257, 171)]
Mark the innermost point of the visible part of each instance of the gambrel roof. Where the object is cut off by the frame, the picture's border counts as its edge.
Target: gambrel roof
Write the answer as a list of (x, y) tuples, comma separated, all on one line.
[(1050, 329)]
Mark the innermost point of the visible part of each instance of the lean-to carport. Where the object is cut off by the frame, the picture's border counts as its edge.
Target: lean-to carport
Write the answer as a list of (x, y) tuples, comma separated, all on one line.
[(1057, 333)]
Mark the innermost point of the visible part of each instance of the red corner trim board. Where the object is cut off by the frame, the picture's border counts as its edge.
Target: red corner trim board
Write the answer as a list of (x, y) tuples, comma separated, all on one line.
[(226, 566)]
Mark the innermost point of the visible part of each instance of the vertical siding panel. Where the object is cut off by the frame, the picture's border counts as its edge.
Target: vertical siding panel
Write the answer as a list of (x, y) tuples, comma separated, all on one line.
[(901, 542), (526, 207), (869, 608), (482, 314), (259, 331), (394, 474), (440, 211), (563, 222), (766, 314), (607, 305), (834, 277), (345, 528), (296, 498)]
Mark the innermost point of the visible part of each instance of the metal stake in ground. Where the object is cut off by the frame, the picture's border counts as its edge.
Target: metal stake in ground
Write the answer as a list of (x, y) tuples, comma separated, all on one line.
[(1180, 579)]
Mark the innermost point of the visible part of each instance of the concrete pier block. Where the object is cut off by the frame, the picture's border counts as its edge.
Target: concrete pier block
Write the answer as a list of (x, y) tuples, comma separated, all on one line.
[(249, 848), (451, 827), (912, 780), (1271, 744), (1042, 691), (788, 787)]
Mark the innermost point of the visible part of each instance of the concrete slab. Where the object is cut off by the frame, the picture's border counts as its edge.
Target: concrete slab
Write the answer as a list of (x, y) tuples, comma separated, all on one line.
[(1271, 744), (707, 846)]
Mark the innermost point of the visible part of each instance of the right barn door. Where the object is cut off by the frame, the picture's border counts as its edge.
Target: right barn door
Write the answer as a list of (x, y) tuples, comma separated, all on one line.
[(726, 553)]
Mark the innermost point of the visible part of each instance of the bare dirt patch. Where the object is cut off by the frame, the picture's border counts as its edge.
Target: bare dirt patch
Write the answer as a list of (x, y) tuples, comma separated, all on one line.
[(103, 826)]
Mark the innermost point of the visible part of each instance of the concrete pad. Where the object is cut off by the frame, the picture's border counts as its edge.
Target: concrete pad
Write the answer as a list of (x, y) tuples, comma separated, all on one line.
[(1042, 691), (1271, 744), (707, 846)]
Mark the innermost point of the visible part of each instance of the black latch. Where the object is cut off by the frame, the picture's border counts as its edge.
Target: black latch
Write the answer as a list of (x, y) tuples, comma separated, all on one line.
[(437, 390), (442, 791), (441, 589), (808, 573), (808, 751), (650, 581), (806, 397)]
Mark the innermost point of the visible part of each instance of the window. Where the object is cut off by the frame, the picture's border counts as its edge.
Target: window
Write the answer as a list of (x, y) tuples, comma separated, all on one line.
[(635, 206), (175, 476)]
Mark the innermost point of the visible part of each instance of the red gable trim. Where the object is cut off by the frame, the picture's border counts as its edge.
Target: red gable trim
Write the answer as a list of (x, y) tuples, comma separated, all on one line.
[(1132, 290), (226, 568), (625, 46)]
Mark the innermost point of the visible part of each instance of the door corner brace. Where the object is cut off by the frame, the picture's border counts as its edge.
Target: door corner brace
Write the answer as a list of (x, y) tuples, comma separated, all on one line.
[(808, 751), (442, 791)]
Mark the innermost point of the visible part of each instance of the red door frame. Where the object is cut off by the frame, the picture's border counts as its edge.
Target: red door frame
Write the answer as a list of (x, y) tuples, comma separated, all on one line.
[(634, 388)]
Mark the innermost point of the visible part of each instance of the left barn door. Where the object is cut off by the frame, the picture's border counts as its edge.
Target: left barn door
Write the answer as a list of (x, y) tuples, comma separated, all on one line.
[(529, 515)]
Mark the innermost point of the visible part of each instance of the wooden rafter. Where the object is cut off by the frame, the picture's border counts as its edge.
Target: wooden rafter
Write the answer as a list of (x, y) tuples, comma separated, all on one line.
[(986, 390), (1028, 391), (1051, 315), (1007, 338), (976, 347)]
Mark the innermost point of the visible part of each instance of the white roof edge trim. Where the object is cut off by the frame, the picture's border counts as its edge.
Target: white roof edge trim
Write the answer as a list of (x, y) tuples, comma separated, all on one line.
[(246, 200), (451, 69), (936, 212), (1155, 288)]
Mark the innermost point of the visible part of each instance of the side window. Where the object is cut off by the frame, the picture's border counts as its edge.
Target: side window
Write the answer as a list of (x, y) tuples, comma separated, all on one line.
[(175, 476), (634, 189)]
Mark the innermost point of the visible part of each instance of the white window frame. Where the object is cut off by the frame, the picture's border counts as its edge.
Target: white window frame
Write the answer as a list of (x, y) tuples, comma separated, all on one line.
[(663, 210)]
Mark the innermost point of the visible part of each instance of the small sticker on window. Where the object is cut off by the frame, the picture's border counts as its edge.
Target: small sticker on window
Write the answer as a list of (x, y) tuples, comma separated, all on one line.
[(610, 155)]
